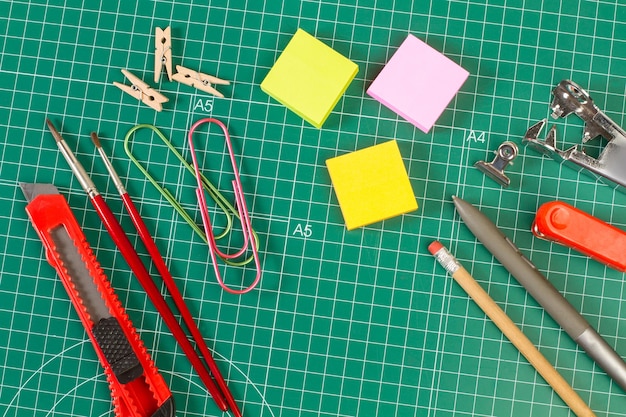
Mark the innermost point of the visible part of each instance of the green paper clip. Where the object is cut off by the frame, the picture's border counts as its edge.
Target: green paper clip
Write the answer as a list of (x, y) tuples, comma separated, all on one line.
[(228, 209)]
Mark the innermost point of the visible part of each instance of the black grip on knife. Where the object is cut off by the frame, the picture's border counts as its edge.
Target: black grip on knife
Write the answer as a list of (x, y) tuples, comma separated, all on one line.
[(117, 350)]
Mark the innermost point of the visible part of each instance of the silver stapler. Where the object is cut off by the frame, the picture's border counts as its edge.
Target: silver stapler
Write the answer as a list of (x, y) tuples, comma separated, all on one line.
[(610, 165)]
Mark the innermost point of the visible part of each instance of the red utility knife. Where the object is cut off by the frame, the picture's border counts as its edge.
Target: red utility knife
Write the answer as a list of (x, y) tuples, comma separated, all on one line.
[(569, 226), (137, 388)]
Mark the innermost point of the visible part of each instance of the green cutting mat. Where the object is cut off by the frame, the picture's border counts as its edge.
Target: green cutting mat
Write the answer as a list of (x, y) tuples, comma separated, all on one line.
[(360, 323)]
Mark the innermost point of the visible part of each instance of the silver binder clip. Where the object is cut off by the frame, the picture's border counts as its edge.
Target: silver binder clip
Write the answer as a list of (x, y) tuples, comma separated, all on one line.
[(506, 153), (142, 91), (610, 166), (198, 80)]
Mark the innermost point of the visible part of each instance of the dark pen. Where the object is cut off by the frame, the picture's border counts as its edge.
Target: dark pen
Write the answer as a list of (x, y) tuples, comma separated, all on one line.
[(542, 291)]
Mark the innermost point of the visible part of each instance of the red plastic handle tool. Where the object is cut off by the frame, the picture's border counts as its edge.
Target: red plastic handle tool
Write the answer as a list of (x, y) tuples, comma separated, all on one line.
[(140, 392), (569, 226), (136, 265)]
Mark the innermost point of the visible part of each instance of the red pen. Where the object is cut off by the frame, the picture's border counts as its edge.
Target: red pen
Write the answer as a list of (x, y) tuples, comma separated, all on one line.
[(159, 262), (132, 258)]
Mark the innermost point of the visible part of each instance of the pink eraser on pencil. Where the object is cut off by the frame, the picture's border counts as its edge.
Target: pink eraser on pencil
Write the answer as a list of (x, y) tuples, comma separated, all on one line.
[(434, 247), (418, 83)]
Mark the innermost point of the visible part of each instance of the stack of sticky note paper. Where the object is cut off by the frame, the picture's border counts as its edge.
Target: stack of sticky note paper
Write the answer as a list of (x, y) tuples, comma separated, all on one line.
[(418, 83), (309, 78), (371, 184)]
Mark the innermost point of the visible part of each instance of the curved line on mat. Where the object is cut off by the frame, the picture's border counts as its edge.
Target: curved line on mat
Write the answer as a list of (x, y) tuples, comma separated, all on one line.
[(248, 380), (263, 400), (106, 413), (19, 390)]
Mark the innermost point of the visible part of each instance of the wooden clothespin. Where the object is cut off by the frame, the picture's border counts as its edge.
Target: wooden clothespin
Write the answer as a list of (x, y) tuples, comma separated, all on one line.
[(142, 91), (198, 80), (163, 53)]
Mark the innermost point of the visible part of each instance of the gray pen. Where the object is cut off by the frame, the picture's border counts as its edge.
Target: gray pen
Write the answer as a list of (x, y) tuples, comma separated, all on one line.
[(542, 291)]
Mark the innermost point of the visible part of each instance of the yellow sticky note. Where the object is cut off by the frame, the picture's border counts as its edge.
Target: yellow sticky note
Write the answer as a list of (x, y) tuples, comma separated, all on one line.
[(309, 78), (371, 184)]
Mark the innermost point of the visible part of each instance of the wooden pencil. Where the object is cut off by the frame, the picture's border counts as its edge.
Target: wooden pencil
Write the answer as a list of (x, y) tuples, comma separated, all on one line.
[(510, 330)]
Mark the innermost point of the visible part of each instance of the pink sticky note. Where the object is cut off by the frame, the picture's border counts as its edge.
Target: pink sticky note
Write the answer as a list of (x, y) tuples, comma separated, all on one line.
[(418, 83)]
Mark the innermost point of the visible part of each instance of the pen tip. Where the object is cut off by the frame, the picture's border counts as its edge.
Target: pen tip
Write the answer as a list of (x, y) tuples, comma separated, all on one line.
[(54, 131), (95, 139)]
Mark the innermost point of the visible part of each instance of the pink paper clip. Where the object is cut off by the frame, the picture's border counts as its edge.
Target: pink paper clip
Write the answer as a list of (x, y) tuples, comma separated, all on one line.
[(242, 209)]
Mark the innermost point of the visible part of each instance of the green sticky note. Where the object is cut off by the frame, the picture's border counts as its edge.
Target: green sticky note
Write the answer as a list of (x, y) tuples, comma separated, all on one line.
[(309, 78)]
